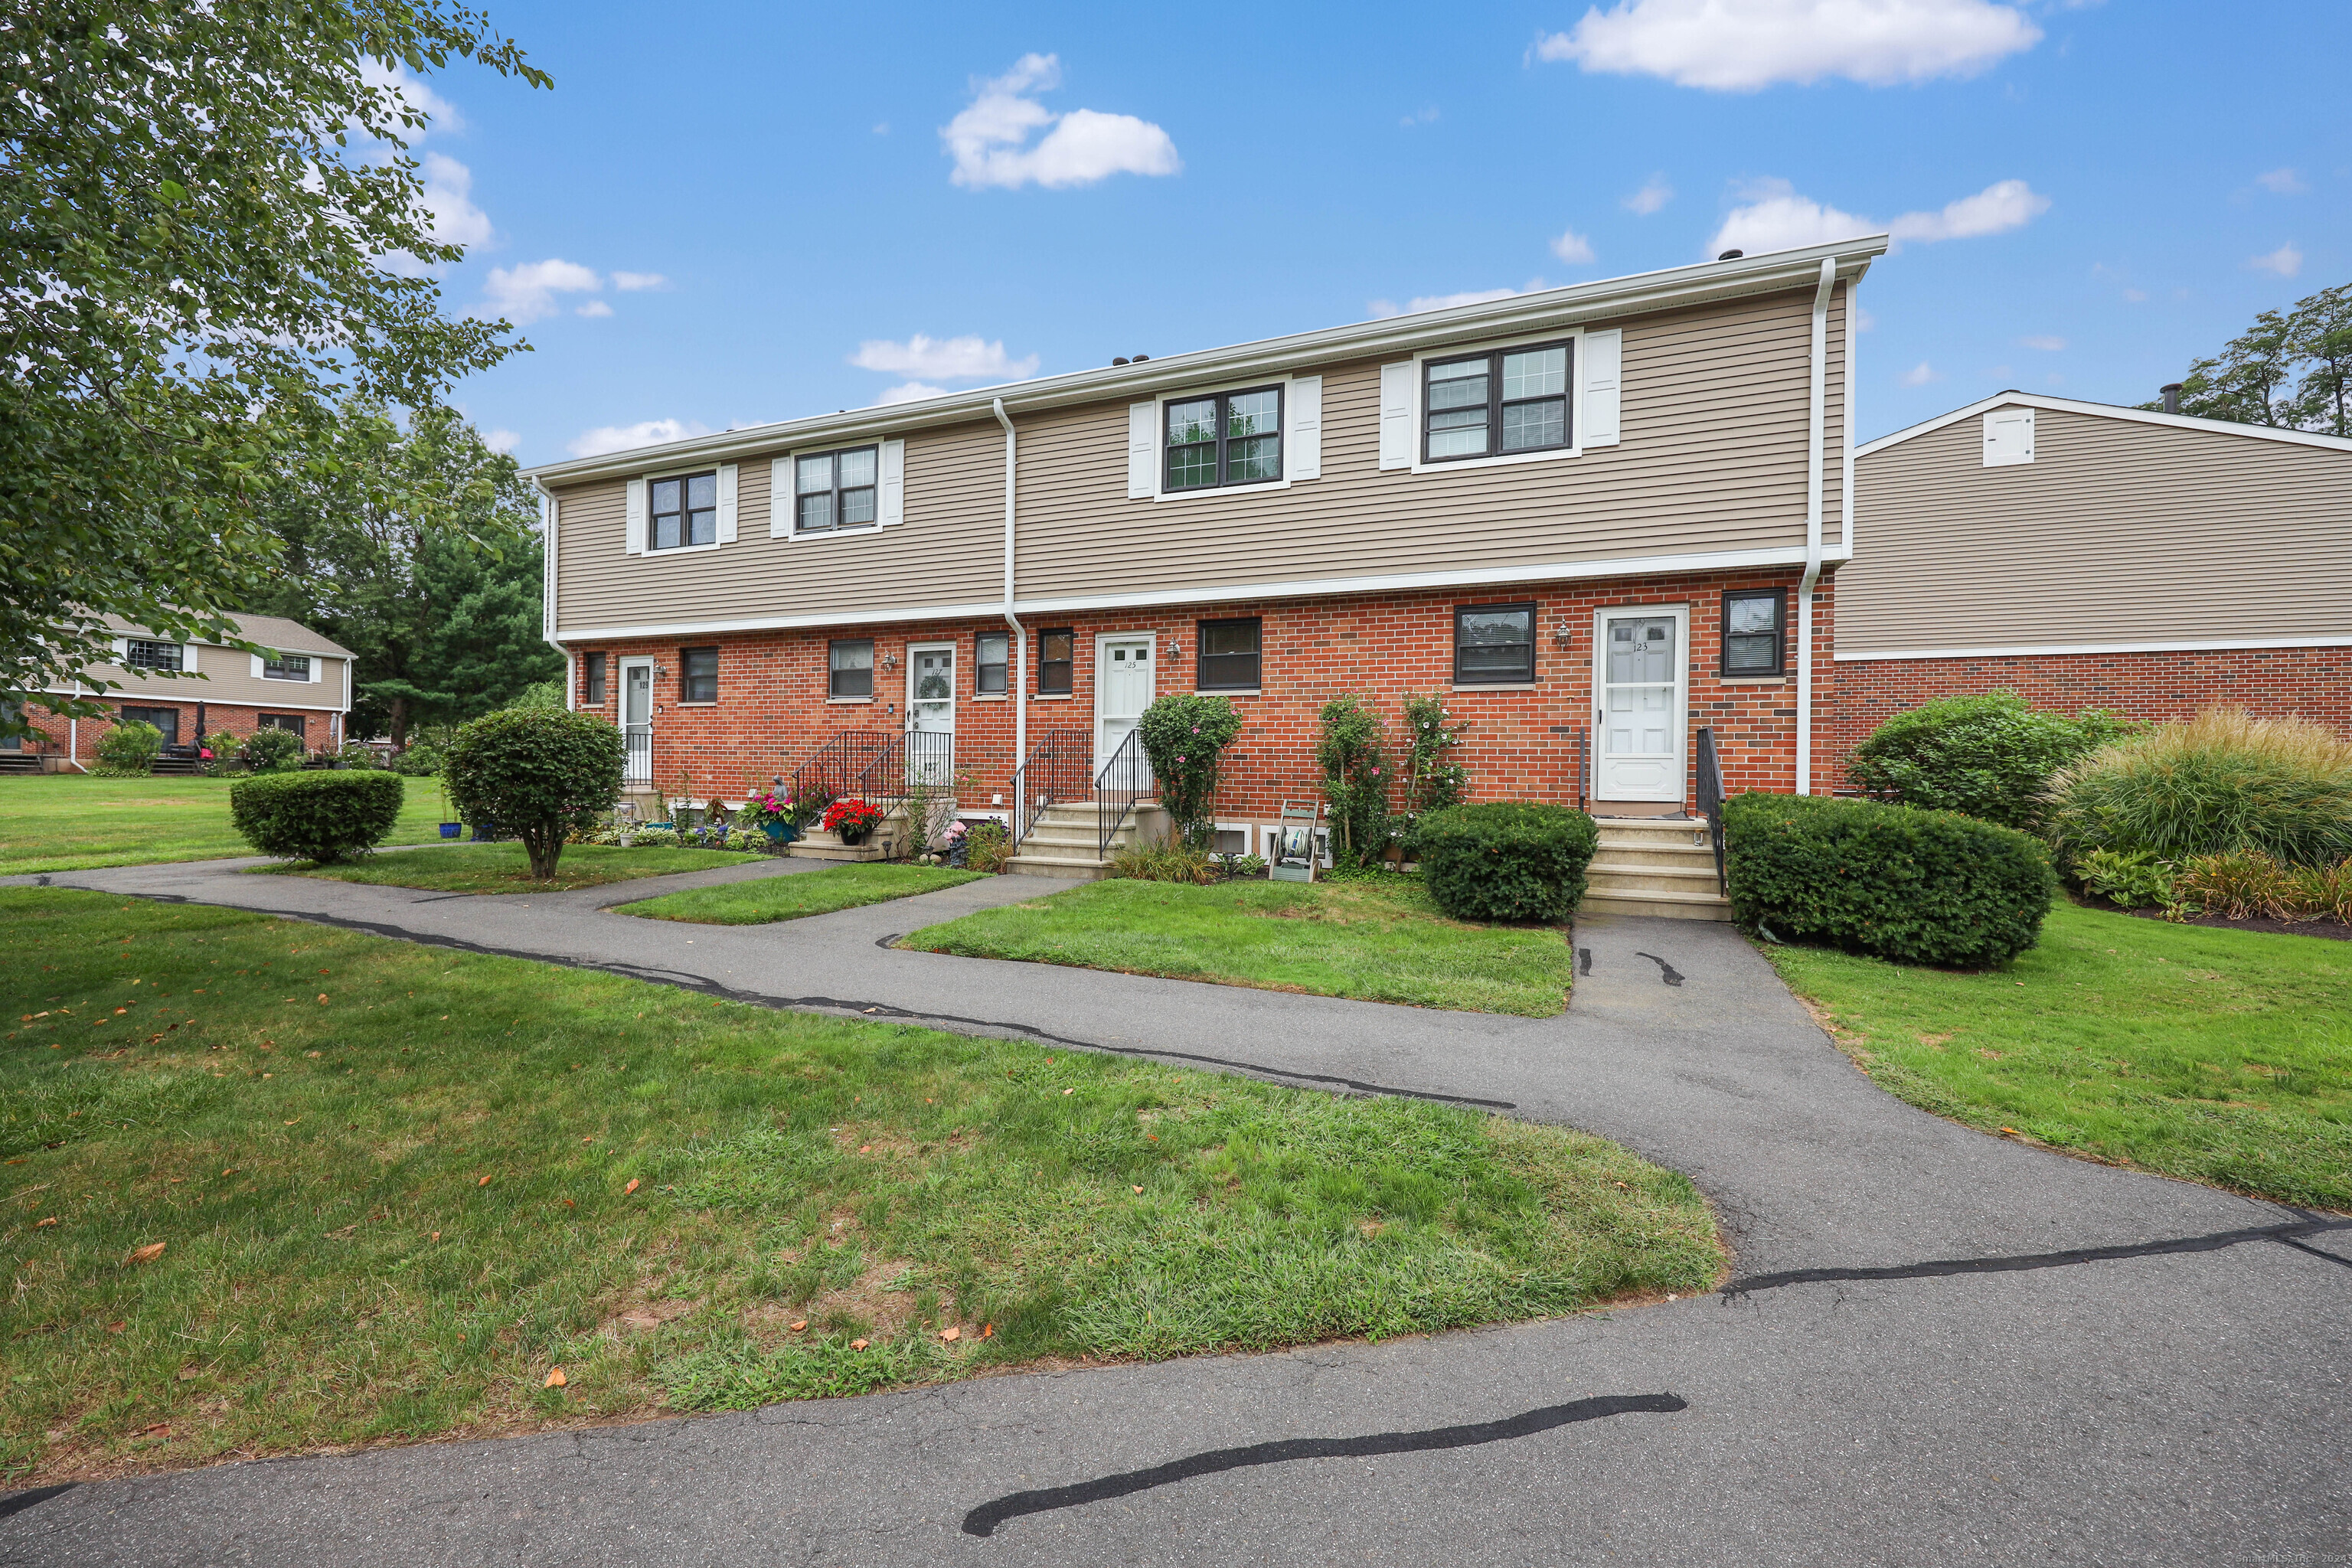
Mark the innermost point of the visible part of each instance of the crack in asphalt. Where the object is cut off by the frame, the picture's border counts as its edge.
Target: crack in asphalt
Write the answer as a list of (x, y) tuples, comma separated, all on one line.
[(1666, 972), (984, 1519)]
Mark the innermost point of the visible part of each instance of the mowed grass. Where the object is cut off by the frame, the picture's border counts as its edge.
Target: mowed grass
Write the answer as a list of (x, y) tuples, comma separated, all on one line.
[(72, 822), (1378, 939), (790, 896), (2224, 1056), (394, 1188), (505, 869)]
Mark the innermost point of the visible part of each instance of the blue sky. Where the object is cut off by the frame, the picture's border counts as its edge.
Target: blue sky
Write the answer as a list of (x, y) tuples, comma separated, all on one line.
[(723, 215)]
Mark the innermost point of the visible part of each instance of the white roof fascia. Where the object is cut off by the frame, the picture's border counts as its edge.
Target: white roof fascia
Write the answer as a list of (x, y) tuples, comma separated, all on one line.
[(2108, 411), (1543, 310)]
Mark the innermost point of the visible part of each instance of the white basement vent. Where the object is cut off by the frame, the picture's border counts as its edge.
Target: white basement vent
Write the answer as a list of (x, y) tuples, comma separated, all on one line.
[(2008, 437)]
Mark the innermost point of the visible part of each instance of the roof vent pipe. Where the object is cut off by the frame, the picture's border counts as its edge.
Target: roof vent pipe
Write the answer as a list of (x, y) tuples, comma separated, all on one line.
[(2171, 391), (1731, 256)]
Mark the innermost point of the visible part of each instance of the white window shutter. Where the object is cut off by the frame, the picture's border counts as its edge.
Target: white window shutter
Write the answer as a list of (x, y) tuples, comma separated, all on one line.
[(1143, 450), (891, 501), (1604, 354), (1305, 455), (1396, 415), (780, 498), (635, 545), (725, 504), (188, 656)]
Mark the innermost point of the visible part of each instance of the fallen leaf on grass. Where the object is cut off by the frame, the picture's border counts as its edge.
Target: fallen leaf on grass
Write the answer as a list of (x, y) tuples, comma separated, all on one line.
[(950, 1335), (116, 1328), (554, 1379), (322, 996), (630, 1188), (859, 1345), (297, 1118), (44, 1223), (987, 1331), (147, 1254), (483, 1183), (799, 1326), (1139, 1189), (161, 1429)]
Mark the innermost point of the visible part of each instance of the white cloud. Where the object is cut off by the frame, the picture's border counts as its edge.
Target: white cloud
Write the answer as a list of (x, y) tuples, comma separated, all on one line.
[(990, 139), (624, 438), (1920, 374), (1776, 218), (629, 282), (418, 96), (909, 392), (2286, 261), (1383, 309), (525, 293), (593, 307), (949, 359), (1655, 194), (882, 128), (1740, 45), (2046, 344), (1426, 117), (448, 197), (2134, 295), (502, 440), (1572, 247), (2282, 183)]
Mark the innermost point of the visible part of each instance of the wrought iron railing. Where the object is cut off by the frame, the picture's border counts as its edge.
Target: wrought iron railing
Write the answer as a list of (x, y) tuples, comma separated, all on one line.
[(1123, 780), (1583, 769), (638, 754), (1710, 802), (1059, 767), (832, 772)]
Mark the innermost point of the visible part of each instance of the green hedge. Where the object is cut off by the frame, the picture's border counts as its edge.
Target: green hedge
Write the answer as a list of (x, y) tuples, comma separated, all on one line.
[(269, 750), (1916, 887), (1989, 755), (327, 815), (1507, 860)]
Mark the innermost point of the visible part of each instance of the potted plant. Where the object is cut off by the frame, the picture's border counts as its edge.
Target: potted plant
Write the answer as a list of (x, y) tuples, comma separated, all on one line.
[(852, 819), (771, 811), (448, 829)]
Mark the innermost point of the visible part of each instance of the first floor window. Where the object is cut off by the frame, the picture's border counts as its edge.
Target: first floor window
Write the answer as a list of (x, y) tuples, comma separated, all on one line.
[(291, 722), (1056, 661), (592, 675), (1754, 642), (286, 666), (1494, 645), (1229, 654), (165, 719), (1514, 400), (145, 653), (834, 490), (851, 667), (1224, 438), (686, 510), (698, 675), (992, 651)]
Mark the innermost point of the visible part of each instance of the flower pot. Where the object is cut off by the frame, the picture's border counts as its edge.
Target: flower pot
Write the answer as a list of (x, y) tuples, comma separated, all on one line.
[(451, 829), (780, 832), (854, 836)]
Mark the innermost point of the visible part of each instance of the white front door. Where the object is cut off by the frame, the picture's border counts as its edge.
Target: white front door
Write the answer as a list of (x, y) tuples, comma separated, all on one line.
[(931, 713), (1122, 692), (638, 720), (1637, 752)]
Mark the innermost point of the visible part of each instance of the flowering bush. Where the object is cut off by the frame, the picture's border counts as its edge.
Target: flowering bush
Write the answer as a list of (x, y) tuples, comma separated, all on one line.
[(1185, 736), (1353, 753), (851, 816), (767, 806)]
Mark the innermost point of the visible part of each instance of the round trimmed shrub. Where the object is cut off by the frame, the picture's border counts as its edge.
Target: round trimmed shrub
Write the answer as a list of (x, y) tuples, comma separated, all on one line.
[(2220, 782), (127, 749), (272, 750), (1894, 882), (1507, 860), (317, 816), (536, 774), (1987, 755)]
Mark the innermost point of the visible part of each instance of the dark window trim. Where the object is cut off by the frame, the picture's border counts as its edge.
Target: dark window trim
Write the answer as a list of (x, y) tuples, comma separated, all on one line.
[(685, 674), (178, 656), (1200, 655), (1003, 667), (1496, 403), (1068, 666), (1281, 391), (1779, 644), (1491, 680), (838, 489), (685, 513), (290, 721), (275, 669), (832, 675), (593, 674)]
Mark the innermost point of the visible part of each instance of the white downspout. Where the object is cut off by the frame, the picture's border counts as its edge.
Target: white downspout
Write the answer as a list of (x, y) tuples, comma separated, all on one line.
[(73, 736), (1019, 637), (1813, 526)]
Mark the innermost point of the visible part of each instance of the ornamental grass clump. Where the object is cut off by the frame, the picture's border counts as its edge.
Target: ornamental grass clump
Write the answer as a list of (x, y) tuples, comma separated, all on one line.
[(1507, 860), (2220, 782)]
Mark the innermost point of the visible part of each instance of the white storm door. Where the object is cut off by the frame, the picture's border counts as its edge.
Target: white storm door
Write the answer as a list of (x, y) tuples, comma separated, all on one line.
[(638, 720), (931, 713), (1122, 692), (1638, 729)]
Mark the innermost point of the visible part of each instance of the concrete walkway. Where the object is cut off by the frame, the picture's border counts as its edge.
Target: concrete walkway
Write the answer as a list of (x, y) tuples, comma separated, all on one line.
[(1939, 1347)]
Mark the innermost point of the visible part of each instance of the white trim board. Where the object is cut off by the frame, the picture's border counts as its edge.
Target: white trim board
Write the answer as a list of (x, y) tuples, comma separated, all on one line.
[(2221, 645), (2106, 411)]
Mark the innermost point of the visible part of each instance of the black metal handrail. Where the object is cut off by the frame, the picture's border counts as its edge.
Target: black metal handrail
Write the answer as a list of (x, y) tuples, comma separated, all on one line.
[(833, 771), (1057, 768), (1125, 779), (636, 755), (1710, 802)]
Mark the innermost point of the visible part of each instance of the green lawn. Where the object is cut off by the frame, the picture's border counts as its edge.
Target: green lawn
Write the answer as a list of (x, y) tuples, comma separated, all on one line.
[(505, 869), (394, 1188), (788, 898), (2221, 1055), (1378, 939), (73, 822)]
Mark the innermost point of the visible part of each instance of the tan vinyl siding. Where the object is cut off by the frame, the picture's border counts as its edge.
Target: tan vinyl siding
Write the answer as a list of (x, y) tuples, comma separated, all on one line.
[(951, 549), (227, 677), (2118, 531)]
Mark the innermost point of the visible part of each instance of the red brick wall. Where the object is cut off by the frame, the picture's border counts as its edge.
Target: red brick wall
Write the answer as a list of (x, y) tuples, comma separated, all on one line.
[(1852, 700), (319, 731), (772, 712)]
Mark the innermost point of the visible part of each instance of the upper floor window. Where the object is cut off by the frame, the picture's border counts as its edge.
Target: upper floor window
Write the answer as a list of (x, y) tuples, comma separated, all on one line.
[(143, 653), (1056, 661), (834, 490), (1512, 400), (286, 666), (1224, 438), (1753, 642), (592, 669), (1229, 654), (992, 652), (849, 667), (698, 675), (1494, 645), (685, 510)]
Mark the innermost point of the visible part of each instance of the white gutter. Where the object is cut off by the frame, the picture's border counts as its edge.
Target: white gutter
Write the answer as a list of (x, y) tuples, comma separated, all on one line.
[(1813, 525), (1018, 673)]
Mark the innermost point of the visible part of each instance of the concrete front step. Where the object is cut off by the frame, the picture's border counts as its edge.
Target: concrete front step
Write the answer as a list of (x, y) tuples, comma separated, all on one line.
[(1068, 840), (1656, 867), (1664, 906)]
